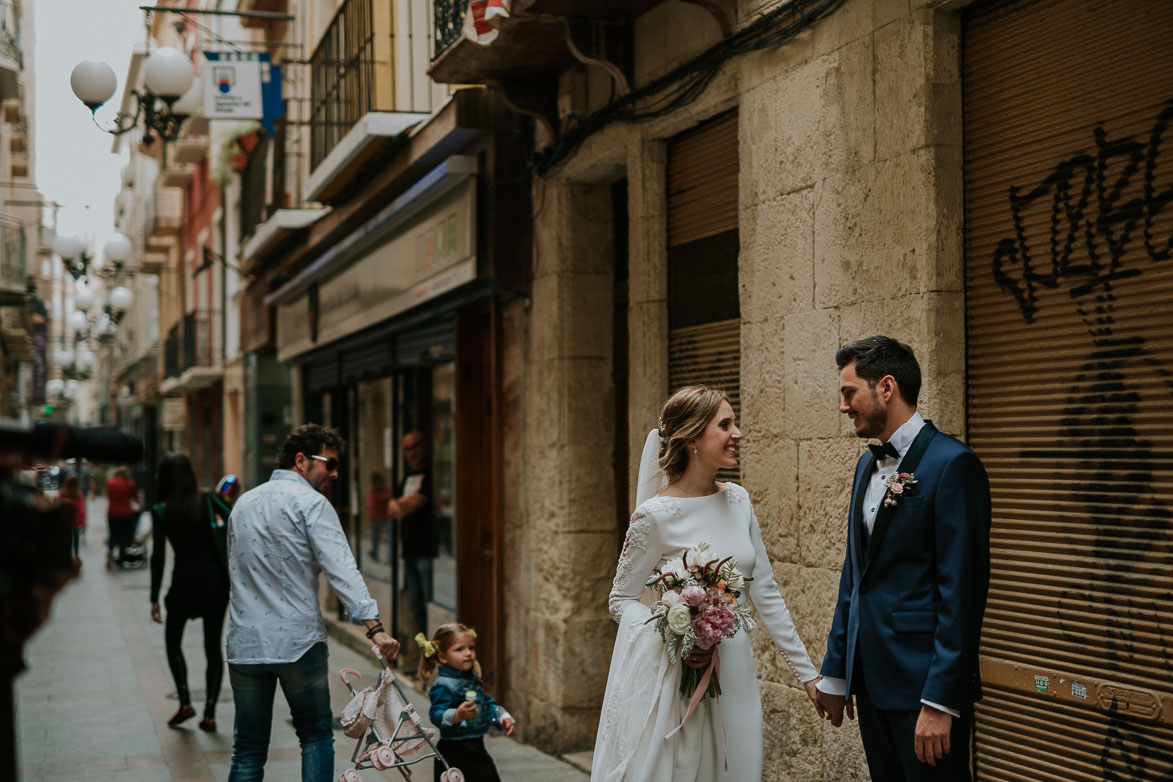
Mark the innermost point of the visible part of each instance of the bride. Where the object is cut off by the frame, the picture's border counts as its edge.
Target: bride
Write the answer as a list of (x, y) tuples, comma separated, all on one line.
[(697, 436)]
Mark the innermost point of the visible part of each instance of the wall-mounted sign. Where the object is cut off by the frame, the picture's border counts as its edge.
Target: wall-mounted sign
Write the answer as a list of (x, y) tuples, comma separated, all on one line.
[(233, 84)]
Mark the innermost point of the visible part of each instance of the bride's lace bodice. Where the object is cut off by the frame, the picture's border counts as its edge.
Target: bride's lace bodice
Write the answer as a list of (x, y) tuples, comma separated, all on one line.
[(663, 527)]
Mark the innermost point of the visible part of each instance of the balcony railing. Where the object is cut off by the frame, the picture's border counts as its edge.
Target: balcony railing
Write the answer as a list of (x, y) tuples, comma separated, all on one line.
[(12, 261), (11, 58), (351, 74), (171, 367), (448, 16), (200, 347)]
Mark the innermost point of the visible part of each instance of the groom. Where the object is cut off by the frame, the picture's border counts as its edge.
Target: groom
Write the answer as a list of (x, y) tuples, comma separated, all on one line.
[(904, 638)]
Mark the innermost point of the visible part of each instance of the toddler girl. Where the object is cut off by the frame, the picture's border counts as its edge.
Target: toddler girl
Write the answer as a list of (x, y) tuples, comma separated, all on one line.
[(461, 708)]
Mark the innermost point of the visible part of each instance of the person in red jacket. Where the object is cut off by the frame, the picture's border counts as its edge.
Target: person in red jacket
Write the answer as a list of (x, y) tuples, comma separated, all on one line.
[(71, 493), (121, 513)]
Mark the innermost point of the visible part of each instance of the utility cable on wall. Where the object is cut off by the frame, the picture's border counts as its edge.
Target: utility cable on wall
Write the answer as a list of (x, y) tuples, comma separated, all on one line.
[(685, 84)]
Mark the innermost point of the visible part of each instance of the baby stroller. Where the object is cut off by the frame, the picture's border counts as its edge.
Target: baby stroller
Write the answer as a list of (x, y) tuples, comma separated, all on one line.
[(389, 732), (132, 553)]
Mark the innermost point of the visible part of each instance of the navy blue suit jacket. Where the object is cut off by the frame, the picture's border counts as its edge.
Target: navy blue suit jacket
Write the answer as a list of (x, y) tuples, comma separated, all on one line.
[(910, 609)]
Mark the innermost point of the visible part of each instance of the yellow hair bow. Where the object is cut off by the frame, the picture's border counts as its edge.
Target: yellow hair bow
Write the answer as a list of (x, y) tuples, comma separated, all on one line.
[(473, 633), (425, 644)]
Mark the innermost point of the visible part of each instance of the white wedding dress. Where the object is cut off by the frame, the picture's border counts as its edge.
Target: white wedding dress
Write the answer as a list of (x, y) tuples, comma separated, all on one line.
[(643, 701)]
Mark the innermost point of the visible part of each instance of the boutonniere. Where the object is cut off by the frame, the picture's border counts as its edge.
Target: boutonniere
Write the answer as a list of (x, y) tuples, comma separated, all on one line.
[(898, 485)]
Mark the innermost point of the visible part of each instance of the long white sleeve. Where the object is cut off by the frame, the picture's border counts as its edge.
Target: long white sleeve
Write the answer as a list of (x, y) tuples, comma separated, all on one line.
[(775, 616), (641, 553)]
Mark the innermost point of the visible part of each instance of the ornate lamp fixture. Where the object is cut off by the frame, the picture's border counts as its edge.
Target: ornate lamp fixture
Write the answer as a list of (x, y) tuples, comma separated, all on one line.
[(79, 262), (170, 96)]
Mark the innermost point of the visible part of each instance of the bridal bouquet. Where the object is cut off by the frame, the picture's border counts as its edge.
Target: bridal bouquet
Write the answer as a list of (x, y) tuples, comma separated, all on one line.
[(698, 608)]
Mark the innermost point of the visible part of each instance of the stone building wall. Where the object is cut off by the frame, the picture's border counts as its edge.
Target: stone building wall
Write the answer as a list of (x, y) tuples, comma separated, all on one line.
[(850, 221)]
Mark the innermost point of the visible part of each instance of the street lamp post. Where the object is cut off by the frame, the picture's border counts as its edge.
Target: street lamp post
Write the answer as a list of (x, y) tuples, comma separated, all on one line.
[(170, 95)]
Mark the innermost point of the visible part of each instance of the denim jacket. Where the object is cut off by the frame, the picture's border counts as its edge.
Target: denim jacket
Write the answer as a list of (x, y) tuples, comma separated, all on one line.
[(448, 692)]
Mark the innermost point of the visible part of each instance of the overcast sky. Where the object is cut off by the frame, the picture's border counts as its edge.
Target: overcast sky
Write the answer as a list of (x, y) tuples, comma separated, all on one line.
[(74, 164)]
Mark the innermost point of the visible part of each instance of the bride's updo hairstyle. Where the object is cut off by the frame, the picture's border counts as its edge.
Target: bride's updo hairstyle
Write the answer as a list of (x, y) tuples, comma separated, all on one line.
[(684, 418)]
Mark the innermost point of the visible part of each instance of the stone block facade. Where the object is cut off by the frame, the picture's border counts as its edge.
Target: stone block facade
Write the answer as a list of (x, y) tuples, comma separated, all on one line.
[(850, 225)]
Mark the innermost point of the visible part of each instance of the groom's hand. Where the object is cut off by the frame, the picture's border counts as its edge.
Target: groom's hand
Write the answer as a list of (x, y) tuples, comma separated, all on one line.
[(932, 735), (833, 707)]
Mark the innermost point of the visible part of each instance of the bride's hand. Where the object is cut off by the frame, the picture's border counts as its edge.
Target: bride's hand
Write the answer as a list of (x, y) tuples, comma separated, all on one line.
[(812, 692), (699, 658)]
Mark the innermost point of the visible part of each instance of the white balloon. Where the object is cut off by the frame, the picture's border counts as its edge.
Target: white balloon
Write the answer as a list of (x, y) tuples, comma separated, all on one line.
[(78, 320), (93, 83), (121, 298), (84, 298), (87, 359), (192, 101), (55, 386), (71, 387), (118, 248), (68, 247), (169, 72)]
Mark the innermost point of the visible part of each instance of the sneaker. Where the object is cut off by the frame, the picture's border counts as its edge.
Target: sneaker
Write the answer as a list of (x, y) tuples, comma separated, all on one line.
[(184, 714)]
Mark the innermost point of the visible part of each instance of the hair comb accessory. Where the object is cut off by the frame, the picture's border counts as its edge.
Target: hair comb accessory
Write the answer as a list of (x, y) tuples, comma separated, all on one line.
[(423, 643), (660, 425), (473, 633)]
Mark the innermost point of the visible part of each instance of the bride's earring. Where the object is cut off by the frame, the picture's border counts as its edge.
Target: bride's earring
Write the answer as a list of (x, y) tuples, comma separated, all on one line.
[(694, 449)]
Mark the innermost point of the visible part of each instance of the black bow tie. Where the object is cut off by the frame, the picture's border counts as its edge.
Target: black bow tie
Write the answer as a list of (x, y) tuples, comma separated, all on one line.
[(885, 451)]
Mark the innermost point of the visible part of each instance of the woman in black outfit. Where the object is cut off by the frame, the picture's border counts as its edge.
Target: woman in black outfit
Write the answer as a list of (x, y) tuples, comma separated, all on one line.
[(195, 523)]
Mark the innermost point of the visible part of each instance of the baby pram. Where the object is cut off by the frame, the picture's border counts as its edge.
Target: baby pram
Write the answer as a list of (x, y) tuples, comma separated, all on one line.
[(389, 732), (132, 550)]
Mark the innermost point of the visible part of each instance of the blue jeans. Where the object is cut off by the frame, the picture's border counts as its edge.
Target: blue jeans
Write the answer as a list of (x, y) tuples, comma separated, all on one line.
[(305, 684)]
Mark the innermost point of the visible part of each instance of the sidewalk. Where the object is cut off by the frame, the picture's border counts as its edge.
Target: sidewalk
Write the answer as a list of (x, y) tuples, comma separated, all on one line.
[(95, 699)]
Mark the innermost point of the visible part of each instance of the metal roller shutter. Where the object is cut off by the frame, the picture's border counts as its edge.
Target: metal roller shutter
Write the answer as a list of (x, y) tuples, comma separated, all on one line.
[(704, 312), (1069, 293), (322, 375), (702, 181)]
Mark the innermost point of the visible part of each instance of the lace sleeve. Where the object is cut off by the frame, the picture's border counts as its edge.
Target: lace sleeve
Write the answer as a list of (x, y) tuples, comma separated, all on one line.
[(767, 599), (641, 552)]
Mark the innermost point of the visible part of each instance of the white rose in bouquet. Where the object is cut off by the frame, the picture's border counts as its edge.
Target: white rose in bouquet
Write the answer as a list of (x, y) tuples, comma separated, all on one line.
[(674, 568), (670, 598), (679, 618), (696, 557)]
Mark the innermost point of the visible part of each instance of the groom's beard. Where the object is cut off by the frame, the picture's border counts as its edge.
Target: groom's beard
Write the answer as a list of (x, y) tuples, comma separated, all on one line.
[(874, 421)]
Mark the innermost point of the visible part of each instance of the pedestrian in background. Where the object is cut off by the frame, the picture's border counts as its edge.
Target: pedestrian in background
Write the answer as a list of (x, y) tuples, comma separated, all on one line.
[(195, 524), (121, 513), (417, 526), (461, 708), (281, 535), (71, 493)]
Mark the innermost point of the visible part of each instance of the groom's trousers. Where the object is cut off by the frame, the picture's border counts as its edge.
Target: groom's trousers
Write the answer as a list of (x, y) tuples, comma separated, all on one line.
[(889, 741)]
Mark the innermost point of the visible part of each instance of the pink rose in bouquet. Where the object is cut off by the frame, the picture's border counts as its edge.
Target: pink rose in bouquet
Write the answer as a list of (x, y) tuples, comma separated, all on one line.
[(698, 608), (712, 625)]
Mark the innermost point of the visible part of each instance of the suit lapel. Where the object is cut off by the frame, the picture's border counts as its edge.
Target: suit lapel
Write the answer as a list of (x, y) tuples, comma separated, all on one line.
[(907, 464), (856, 520)]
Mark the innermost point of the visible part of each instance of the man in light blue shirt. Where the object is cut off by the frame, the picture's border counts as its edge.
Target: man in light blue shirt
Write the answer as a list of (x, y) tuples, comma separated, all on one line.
[(281, 535)]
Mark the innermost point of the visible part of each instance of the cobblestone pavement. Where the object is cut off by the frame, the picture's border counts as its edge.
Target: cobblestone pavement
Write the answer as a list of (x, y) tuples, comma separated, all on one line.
[(94, 702)]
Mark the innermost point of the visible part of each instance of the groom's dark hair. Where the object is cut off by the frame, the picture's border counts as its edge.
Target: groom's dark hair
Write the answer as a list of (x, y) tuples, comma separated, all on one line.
[(878, 356)]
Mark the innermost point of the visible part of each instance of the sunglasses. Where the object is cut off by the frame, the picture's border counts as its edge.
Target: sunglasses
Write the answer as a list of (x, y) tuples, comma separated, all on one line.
[(331, 463)]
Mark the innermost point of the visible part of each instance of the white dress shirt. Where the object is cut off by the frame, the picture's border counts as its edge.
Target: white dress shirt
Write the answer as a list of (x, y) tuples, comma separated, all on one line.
[(901, 440), (281, 535)]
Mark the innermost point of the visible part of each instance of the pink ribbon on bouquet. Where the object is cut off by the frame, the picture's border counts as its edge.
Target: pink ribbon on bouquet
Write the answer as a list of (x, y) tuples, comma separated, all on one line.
[(714, 669)]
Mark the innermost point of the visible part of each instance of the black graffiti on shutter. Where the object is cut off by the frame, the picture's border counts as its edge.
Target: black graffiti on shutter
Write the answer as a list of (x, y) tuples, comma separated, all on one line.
[(1097, 237), (1092, 225)]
